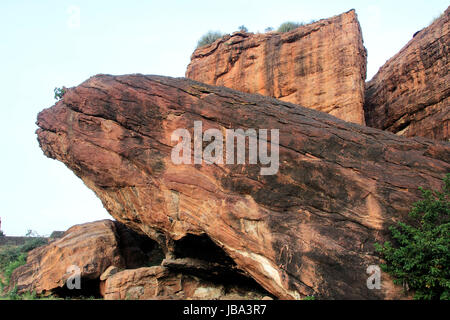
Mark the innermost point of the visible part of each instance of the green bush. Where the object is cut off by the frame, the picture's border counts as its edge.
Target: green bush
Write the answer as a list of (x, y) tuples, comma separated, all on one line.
[(7, 255), (13, 265), (14, 295), (288, 26), (242, 28), (10, 259), (33, 244), (209, 38), (13, 257), (11, 295), (59, 92), (419, 257)]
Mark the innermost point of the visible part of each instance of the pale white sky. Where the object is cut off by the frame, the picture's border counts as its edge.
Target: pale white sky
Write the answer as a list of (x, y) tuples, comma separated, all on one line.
[(43, 45)]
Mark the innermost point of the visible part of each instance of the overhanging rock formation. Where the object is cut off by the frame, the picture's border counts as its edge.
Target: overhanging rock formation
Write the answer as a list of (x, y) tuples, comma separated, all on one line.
[(410, 94), (320, 66), (308, 229)]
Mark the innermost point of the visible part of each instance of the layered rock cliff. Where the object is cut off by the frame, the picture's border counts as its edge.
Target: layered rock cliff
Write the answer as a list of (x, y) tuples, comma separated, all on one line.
[(320, 66), (410, 94), (308, 229)]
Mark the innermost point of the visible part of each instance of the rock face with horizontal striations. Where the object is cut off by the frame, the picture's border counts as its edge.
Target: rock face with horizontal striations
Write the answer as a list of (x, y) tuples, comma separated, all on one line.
[(320, 66), (86, 250), (308, 229), (410, 94), (161, 283)]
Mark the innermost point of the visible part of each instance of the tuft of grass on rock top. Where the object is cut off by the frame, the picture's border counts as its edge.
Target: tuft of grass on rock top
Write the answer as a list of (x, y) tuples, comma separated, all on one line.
[(209, 38), (289, 25)]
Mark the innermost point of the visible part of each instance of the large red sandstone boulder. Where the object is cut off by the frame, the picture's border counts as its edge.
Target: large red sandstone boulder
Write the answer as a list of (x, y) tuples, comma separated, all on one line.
[(410, 94), (308, 229), (320, 66), (86, 250)]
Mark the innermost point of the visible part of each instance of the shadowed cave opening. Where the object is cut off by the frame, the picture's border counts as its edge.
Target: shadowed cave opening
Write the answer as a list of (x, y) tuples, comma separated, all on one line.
[(89, 288), (195, 255), (138, 250), (199, 256), (201, 247)]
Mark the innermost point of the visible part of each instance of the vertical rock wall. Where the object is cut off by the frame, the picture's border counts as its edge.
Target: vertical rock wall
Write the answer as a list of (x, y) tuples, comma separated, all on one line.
[(320, 66), (410, 94)]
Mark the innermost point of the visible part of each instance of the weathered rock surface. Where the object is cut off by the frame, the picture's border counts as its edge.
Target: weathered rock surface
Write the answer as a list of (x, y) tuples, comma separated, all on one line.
[(309, 229), (91, 247), (410, 94), (159, 282), (320, 66)]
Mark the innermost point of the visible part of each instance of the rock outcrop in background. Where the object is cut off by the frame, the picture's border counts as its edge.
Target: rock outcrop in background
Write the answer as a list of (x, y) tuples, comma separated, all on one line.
[(410, 94), (309, 229), (114, 262), (320, 66), (91, 247)]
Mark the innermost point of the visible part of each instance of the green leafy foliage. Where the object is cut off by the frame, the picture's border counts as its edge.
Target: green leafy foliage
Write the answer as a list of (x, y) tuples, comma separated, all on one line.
[(11, 295), (209, 38), (33, 244), (419, 256), (15, 256), (288, 26), (14, 295), (13, 265), (59, 92), (242, 28), (8, 256)]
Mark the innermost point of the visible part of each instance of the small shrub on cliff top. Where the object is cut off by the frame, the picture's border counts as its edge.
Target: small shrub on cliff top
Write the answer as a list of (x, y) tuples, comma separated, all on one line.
[(436, 18), (243, 28), (59, 93), (419, 258), (209, 38), (288, 26)]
